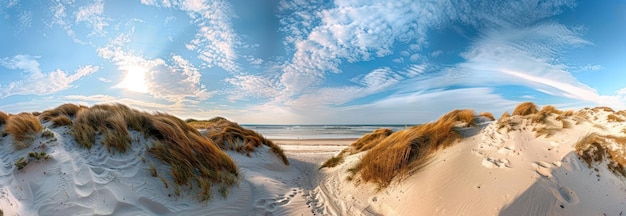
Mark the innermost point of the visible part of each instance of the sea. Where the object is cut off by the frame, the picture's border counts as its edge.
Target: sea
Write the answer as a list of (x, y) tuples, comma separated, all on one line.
[(318, 131)]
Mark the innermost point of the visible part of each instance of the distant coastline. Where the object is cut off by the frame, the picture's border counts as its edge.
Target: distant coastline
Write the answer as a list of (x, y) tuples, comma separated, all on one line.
[(319, 131)]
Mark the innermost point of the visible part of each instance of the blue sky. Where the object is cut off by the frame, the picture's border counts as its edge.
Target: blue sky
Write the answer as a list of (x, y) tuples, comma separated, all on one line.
[(310, 61)]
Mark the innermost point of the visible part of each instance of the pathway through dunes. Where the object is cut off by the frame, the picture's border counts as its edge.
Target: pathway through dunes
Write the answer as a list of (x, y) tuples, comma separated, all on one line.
[(547, 162)]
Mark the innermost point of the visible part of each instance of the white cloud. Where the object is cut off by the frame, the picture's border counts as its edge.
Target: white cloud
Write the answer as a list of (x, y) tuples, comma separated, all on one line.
[(376, 81), (588, 67), (408, 108), (436, 53), (177, 80), (322, 36), (37, 82), (92, 16), (215, 40), (102, 79), (23, 62), (24, 20)]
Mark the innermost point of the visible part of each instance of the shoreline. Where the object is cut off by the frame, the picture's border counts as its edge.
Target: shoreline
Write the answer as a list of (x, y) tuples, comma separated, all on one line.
[(316, 142)]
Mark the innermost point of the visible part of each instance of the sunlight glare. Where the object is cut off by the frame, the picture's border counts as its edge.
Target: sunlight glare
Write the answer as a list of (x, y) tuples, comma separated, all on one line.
[(135, 80)]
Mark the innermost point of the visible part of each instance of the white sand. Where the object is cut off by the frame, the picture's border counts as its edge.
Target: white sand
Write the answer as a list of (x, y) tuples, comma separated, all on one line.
[(490, 173)]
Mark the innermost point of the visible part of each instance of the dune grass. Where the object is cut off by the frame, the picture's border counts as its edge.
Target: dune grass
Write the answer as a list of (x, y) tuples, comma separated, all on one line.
[(230, 135), (487, 115), (3, 118), (107, 120), (525, 109), (614, 118), (193, 159), (23, 127), (68, 110), (605, 109), (405, 151), (364, 143), (595, 148), (62, 120)]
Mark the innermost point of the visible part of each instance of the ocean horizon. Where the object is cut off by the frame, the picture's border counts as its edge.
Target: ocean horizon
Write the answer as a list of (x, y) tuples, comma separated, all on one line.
[(319, 131)]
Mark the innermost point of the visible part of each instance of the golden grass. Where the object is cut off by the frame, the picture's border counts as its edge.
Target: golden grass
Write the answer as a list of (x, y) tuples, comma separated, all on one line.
[(595, 148), (487, 115), (194, 160), (333, 161), (23, 127), (405, 151), (551, 109), (606, 109), (62, 120), (614, 118), (568, 113), (69, 110), (189, 154), (368, 141), (3, 118), (505, 115), (230, 135), (525, 108)]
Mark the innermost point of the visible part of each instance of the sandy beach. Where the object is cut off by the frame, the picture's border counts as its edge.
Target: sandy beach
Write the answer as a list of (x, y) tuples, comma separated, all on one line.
[(548, 162)]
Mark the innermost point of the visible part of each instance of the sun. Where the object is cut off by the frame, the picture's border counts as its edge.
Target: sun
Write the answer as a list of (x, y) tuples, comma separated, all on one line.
[(135, 80)]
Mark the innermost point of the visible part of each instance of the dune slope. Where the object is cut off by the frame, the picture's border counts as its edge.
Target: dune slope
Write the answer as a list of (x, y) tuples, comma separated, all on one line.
[(525, 164)]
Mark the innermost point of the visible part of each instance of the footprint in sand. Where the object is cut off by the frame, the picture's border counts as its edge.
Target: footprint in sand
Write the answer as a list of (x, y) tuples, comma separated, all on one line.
[(496, 163), (565, 195), (269, 205), (543, 169)]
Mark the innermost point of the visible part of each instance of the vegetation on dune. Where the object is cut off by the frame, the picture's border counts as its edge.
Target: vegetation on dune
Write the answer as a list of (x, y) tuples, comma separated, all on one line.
[(61, 121), (364, 143), (614, 118), (524, 109), (605, 109), (67, 110), (192, 158), (230, 135), (3, 118), (487, 115), (107, 120), (23, 127), (24, 161), (595, 148), (401, 153)]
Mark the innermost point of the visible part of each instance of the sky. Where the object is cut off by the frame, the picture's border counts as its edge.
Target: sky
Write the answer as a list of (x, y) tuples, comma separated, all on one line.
[(312, 61)]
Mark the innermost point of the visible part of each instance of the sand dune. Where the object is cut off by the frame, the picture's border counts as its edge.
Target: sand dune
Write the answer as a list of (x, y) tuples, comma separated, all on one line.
[(519, 165)]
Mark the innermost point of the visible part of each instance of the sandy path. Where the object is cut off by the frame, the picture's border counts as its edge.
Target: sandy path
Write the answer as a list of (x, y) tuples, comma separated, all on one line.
[(305, 157)]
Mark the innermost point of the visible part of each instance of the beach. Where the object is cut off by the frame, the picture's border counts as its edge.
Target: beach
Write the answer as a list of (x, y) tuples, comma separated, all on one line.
[(537, 162)]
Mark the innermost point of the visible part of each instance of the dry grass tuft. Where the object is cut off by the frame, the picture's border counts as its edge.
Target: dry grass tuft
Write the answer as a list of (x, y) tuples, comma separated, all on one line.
[(488, 115), (112, 121), (193, 160), (568, 113), (551, 109), (62, 120), (23, 127), (69, 110), (614, 118), (505, 115), (405, 151), (190, 156), (526, 108), (595, 148), (605, 109), (368, 141), (230, 135), (333, 161), (3, 118)]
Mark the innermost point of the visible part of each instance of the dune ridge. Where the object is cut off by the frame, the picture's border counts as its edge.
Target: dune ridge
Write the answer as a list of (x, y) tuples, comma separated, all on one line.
[(109, 159)]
